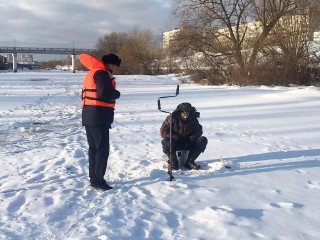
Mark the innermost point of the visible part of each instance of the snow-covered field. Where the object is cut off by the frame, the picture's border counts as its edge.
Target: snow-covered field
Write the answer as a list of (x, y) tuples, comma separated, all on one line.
[(269, 136)]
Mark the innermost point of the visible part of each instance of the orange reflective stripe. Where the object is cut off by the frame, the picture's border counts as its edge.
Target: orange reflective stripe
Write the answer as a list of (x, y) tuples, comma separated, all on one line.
[(90, 98), (91, 102)]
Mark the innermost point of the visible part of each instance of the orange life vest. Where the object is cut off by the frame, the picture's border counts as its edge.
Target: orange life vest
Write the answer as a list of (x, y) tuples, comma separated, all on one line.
[(89, 88)]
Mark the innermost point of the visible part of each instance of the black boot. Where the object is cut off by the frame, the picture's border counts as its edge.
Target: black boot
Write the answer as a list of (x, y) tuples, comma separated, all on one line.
[(174, 161), (101, 186), (190, 164)]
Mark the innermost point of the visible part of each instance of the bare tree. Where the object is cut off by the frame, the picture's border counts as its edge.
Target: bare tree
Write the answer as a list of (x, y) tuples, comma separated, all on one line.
[(238, 29), (314, 6), (141, 51), (110, 43)]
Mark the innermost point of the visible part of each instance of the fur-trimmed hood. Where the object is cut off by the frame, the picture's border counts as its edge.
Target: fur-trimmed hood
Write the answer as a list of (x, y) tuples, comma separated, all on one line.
[(189, 128), (193, 113)]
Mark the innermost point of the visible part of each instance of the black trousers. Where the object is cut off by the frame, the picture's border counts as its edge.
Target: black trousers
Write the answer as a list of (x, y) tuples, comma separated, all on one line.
[(98, 140), (194, 149)]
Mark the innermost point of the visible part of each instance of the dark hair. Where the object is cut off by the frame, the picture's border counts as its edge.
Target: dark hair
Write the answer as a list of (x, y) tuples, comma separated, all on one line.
[(111, 58)]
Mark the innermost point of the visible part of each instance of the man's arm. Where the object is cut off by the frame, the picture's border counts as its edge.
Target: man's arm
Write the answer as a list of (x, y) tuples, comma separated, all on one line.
[(197, 132), (106, 92), (165, 129)]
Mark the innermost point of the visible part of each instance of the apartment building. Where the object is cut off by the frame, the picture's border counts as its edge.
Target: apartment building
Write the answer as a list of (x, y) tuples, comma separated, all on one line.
[(250, 30), (169, 36)]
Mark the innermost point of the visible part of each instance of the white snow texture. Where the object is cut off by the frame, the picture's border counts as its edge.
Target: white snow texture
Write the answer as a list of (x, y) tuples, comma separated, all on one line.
[(270, 136)]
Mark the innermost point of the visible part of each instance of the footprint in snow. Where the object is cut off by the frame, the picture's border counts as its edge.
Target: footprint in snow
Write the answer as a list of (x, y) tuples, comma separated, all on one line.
[(276, 191), (313, 185), (286, 205), (15, 205)]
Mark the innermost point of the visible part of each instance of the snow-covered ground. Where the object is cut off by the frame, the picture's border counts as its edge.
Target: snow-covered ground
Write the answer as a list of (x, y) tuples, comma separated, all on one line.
[(269, 136)]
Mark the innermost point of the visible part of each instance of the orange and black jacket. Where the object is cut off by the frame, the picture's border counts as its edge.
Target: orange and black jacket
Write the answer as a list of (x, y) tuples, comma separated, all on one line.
[(98, 93)]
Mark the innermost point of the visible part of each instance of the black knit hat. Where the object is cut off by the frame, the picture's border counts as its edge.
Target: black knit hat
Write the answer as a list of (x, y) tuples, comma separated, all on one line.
[(185, 107), (111, 58)]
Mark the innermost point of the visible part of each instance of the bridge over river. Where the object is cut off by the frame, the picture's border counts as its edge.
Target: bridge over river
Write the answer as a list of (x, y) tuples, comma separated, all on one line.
[(65, 51)]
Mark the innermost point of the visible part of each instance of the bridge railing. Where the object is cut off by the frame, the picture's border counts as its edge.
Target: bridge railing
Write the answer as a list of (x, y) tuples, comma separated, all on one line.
[(75, 51), (69, 51)]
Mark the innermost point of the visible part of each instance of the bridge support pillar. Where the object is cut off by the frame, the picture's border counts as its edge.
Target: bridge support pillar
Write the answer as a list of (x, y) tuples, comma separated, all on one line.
[(73, 63), (14, 62)]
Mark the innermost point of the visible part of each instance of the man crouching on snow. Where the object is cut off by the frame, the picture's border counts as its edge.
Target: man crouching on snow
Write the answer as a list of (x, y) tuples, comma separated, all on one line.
[(186, 135)]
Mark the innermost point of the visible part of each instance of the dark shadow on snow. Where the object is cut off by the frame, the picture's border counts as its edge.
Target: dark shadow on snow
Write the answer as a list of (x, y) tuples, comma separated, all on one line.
[(289, 158)]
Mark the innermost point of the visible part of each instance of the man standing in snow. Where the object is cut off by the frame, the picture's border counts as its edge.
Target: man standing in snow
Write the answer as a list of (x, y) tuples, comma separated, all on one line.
[(186, 135), (98, 101)]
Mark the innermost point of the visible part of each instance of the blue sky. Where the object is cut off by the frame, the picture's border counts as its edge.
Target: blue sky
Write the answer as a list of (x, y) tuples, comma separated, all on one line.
[(62, 23)]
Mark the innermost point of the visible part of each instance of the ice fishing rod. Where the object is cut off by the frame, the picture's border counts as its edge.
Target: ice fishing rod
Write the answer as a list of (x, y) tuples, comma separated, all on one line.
[(223, 162), (170, 154)]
